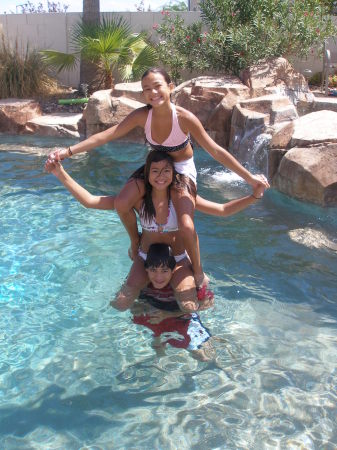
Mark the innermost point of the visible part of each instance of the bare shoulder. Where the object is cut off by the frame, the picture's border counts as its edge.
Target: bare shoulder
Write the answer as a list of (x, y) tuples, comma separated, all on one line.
[(186, 118), (184, 113), (137, 186), (139, 115)]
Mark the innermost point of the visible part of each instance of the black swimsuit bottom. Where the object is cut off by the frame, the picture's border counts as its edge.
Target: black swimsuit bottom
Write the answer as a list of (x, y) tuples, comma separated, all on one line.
[(164, 148)]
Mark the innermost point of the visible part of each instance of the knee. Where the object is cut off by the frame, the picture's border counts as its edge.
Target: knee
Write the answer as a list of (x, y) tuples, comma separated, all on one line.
[(188, 306), (125, 298), (186, 226), (187, 300)]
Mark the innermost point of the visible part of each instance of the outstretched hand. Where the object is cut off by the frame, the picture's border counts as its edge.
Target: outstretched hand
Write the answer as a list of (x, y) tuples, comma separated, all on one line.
[(259, 179), (259, 184), (58, 155), (53, 166)]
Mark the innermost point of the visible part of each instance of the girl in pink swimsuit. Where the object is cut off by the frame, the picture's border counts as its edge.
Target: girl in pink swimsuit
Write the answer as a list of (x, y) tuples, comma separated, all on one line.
[(167, 128)]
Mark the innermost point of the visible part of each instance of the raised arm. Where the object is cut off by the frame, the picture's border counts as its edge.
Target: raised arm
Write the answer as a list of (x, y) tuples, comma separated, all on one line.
[(133, 120), (193, 124), (82, 195), (228, 208)]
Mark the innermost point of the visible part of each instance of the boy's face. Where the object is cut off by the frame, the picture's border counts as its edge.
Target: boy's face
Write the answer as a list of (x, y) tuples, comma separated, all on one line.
[(159, 276)]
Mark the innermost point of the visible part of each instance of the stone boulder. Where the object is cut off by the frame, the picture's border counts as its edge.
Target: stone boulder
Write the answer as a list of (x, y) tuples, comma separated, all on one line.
[(104, 111), (253, 124), (275, 156), (246, 125), (212, 100), (278, 107), (282, 135), (133, 91), (315, 128), (14, 114), (201, 106), (311, 129), (317, 104), (274, 73), (309, 174), (58, 125)]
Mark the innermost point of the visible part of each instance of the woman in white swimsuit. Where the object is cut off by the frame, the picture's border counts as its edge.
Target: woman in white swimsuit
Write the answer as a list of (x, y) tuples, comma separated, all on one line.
[(167, 128), (158, 218)]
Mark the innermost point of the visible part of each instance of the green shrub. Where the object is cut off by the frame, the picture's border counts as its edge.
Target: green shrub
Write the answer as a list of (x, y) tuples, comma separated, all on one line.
[(180, 47), (316, 79), (22, 72), (241, 33), (333, 81)]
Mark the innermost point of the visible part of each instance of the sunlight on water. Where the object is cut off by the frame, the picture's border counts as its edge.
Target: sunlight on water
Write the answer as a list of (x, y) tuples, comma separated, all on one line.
[(220, 176), (76, 374)]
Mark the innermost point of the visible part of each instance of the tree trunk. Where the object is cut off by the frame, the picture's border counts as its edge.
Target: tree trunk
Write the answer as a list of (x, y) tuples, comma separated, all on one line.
[(91, 14)]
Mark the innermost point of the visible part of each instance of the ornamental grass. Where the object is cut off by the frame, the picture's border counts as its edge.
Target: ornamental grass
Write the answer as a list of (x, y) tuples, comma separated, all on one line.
[(23, 73)]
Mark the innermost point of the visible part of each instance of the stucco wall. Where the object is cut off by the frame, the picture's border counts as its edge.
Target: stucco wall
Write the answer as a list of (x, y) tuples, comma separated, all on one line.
[(52, 31)]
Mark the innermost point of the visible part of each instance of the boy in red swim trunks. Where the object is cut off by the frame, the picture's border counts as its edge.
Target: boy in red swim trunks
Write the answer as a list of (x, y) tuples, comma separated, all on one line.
[(168, 323)]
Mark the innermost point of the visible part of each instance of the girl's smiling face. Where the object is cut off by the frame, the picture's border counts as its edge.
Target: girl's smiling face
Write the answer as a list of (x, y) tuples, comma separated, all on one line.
[(161, 174), (159, 276), (156, 90)]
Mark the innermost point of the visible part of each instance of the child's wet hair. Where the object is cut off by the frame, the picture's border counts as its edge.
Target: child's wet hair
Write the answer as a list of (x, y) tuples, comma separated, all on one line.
[(160, 71), (160, 255)]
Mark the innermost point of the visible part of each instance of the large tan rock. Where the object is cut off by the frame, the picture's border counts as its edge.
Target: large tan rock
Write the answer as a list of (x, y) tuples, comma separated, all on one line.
[(258, 115), (278, 107), (58, 125), (219, 121), (277, 72), (14, 113), (223, 85), (309, 174), (200, 105), (133, 91), (317, 104), (104, 111), (275, 156), (282, 136), (311, 129), (212, 100), (315, 128), (246, 125)]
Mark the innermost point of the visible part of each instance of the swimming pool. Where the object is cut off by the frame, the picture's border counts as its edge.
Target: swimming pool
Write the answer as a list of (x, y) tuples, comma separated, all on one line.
[(75, 373)]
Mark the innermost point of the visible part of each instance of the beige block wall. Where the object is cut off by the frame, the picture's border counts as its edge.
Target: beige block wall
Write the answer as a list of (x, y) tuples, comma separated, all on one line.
[(53, 30)]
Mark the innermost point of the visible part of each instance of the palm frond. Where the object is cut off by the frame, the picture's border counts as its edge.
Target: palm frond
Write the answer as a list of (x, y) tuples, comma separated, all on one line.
[(59, 60), (143, 60)]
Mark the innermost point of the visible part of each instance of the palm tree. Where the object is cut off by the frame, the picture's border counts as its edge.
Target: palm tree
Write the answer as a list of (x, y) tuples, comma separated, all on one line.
[(109, 45), (91, 15), (91, 11)]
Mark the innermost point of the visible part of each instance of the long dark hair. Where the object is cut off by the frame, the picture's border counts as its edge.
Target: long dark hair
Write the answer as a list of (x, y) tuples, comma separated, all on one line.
[(143, 173), (179, 182)]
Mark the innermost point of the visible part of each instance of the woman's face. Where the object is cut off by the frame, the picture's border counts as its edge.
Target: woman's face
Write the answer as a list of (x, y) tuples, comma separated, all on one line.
[(161, 175), (156, 91)]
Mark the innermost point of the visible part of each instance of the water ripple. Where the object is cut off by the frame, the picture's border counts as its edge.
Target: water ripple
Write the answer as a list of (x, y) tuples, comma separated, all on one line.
[(76, 374)]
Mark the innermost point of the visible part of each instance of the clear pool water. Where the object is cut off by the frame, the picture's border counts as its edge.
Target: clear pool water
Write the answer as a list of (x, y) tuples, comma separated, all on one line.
[(75, 374)]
